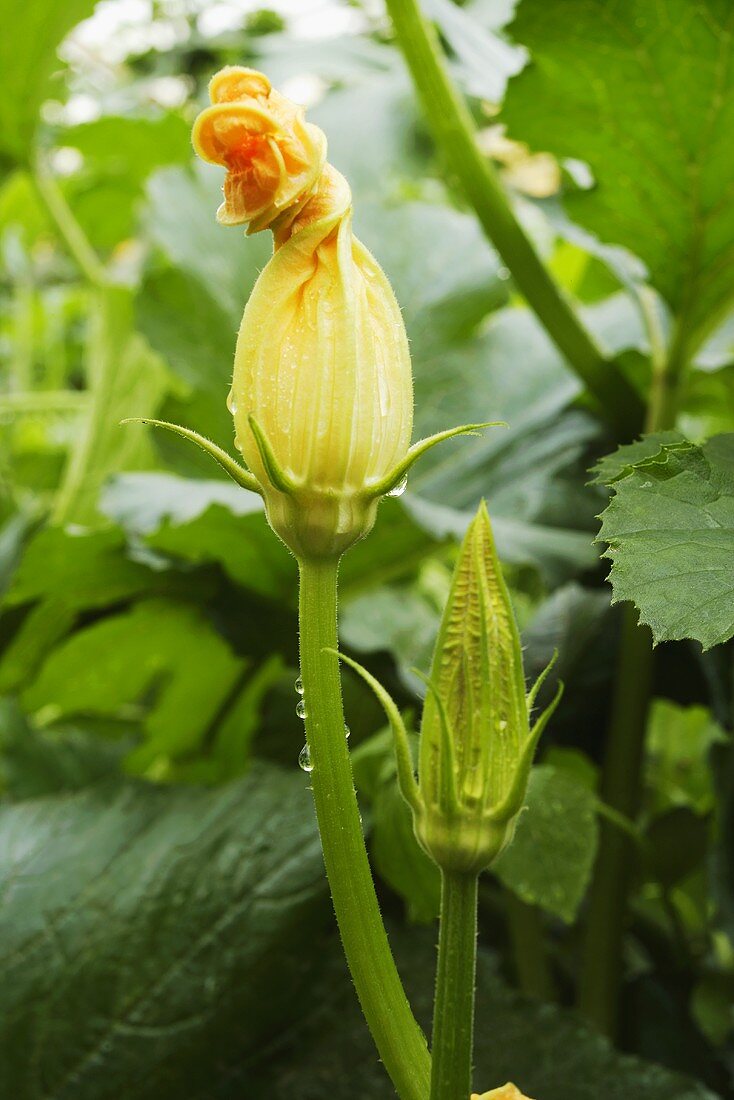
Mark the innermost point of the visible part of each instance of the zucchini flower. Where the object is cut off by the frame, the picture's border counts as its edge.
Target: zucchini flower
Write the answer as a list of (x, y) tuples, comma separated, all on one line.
[(507, 1092), (322, 391), (476, 740)]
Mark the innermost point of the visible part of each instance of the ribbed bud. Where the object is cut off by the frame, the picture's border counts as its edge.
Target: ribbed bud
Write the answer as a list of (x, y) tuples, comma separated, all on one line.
[(322, 388), (476, 742)]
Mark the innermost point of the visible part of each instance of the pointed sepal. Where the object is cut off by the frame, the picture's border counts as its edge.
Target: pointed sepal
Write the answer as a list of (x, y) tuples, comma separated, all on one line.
[(281, 480), (403, 759), (512, 803), (238, 473), (533, 693), (448, 756), (399, 472)]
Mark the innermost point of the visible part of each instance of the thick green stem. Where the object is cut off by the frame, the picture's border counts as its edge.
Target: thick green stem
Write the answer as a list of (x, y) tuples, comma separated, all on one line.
[(622, 776), (455, 135), (453, 1010), (400, 1042), (621, 789), (532, 971)]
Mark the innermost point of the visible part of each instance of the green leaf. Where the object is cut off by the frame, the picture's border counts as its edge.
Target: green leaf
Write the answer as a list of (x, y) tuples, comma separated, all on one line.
[(605, 85), (204, 521), (36, 762), (678, 768), (161, 659), (395, 852), (655, 448), (670, 530), (550, 860), (87, 569), (546, 1051), (399, 859), (154, 938), (31, 33), (126, 379)]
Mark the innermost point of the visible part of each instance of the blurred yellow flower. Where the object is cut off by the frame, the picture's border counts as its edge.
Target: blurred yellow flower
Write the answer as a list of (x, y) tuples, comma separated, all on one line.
[(507, 1092)]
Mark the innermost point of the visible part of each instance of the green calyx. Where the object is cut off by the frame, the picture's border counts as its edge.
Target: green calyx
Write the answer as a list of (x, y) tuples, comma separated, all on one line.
[(477, 740)]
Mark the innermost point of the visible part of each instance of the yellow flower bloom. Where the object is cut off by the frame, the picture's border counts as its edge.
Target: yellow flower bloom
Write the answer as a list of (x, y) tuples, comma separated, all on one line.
[(507, 1092), (322, 393), (272, 156)]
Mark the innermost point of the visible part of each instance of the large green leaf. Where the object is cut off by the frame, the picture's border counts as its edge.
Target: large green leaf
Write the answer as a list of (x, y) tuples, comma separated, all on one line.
[(546, 1051), (154, 938), (161, 659), (32, 30), (644, 93), (670, 530), (551, 857)]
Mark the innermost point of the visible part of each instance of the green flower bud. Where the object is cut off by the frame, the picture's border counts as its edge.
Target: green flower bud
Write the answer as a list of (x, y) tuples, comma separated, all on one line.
[(477, 741)]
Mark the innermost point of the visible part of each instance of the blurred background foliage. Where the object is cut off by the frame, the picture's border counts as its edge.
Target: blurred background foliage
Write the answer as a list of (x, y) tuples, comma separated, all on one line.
[(166, 929)]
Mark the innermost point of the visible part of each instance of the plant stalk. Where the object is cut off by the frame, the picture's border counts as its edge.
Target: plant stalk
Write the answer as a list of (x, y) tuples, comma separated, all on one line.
[(71, 232), (454, 131), (400, 1041), (622, 775), (453, 1009), (532, 972)]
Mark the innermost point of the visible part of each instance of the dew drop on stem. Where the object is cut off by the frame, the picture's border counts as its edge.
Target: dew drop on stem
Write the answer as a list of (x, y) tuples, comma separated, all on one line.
[(304, 760), (301, 708), (399, 489)]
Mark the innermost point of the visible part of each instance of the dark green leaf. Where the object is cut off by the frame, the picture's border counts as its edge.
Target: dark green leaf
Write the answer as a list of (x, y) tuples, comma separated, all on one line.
[(152, 938), (670, 529), (546, 1051), (550, 860)]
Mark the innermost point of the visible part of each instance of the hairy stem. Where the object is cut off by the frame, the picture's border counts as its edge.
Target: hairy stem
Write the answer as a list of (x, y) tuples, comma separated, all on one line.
[(453, 1009), (455, 135), (400, 1042)]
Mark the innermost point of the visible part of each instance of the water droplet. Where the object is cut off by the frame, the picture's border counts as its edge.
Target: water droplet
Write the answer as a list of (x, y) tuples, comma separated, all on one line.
[(238, 445), (503, 273), (347, 732), (299, 686), (301, 708), (304, 760), (399, 489)]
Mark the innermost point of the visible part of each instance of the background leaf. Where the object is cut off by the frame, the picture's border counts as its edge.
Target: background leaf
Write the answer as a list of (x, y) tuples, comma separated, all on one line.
[(670, 530), (646, 95), (154, 937), (32, 31)]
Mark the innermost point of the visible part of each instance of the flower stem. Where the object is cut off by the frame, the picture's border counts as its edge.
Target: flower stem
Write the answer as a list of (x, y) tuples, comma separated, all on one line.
[(400, 1041), (453, 1009), (455, 135)]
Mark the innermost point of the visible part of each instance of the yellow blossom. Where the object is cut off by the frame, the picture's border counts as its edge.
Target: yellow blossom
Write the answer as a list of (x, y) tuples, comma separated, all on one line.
[(507, 1092)]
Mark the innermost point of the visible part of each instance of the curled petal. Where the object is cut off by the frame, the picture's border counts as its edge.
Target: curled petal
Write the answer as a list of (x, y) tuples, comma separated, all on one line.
[(274, 159)]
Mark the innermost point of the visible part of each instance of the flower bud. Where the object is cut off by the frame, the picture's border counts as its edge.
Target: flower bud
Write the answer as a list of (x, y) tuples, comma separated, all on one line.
[(476, 743), (322, 393)]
